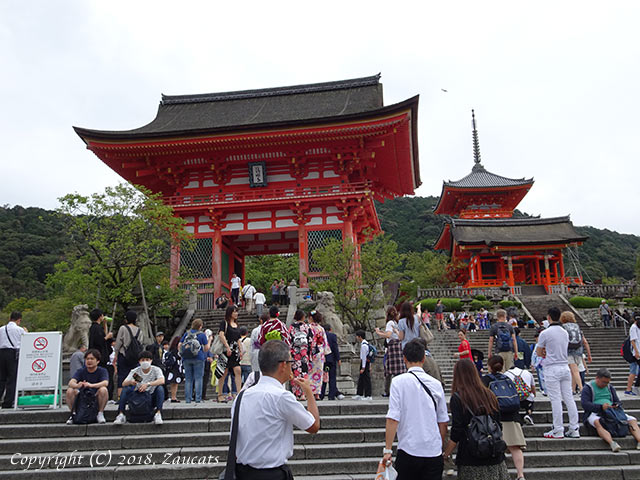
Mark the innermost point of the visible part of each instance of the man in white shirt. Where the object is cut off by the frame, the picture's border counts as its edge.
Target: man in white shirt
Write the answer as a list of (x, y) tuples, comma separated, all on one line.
[(259, 299), (364, 380), (634, 368), (418, 414), (267, 416), (10, 338), (553, 344), (248, 291)]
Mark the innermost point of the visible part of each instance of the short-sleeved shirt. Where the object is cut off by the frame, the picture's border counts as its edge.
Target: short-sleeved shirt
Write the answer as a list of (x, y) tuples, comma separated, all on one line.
[(235, 282), (267, 416), (246, 351), (604, 309), (11, 336), (97, 341), (76, 362), (634, 334), (152, 375), (202, 338), (465, 346), (409, 333), (555, 340), (416, 414), (259, 298), (84, 375), (391, 324), (493, 332), (526, 377)]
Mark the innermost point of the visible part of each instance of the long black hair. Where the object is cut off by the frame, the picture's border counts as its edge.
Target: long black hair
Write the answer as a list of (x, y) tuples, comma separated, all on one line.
[(406, 311)]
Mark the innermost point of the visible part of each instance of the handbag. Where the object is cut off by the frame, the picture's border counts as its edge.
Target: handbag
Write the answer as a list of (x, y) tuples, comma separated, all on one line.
[(426, 334), (218, 346)]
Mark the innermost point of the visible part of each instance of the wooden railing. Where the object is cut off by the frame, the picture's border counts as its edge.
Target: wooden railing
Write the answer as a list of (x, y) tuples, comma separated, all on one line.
[(261, 194)]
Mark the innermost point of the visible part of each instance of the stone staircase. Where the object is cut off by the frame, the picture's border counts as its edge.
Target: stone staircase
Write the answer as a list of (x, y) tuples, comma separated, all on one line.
[(193, 439), (539, 305)]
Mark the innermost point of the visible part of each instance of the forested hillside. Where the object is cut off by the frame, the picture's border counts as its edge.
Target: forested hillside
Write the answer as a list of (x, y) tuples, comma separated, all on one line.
[(32, 240)]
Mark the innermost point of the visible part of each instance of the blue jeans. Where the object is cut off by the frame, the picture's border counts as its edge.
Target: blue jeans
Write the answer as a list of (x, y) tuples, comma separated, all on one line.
[(157, 398), (246, 370), (541, 379), (193, 372), (231, 378)]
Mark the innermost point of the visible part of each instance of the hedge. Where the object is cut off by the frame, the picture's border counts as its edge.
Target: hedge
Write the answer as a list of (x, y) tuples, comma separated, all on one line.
[(450, 304), (589, 302), (510, 303), (634, 302)]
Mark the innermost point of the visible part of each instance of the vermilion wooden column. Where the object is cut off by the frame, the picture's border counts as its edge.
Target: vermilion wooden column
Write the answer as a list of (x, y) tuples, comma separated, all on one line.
[(547, 273), (216, 267), (510, 271), (174, 268), (303, 255), (561, 257)]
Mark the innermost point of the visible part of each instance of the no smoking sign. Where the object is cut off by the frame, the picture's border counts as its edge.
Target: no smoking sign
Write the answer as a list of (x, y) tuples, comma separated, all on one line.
[(38, 365), (40, 343)]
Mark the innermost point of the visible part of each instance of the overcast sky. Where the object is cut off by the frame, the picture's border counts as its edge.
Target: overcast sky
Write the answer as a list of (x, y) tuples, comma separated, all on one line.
[(555, 85)]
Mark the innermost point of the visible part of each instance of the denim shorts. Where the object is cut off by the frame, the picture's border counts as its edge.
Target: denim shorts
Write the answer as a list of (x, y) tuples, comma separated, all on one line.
[(634, 369)]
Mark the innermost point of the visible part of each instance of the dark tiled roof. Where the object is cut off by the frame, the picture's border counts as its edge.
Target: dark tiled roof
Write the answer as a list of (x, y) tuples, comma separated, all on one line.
[(183, 114), (512, 231), (481, 178)]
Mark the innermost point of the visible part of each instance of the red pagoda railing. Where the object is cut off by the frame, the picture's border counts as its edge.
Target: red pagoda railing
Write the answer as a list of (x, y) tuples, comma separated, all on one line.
[(261, 194)]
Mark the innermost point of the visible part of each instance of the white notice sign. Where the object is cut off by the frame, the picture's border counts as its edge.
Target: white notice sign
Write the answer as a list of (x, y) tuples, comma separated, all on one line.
[(39, 363)]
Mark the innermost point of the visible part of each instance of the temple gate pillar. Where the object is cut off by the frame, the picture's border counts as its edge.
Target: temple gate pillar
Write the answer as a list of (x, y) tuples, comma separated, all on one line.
[(216, 267), (303, 256), (512, 282), (174, 266), (561, 261), (547, 272)]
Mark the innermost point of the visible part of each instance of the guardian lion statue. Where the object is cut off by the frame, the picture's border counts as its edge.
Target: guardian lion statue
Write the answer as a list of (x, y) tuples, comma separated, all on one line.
[(78, 333)]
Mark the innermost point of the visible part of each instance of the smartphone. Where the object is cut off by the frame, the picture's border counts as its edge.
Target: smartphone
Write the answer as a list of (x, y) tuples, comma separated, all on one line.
[(137, 377)]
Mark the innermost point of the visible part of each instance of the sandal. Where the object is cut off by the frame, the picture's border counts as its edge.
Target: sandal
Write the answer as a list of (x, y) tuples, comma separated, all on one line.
[(222, 399)]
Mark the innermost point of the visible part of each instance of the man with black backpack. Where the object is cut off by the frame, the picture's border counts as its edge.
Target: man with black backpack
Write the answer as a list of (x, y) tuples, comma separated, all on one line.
[(503, 337), (367, 352), (89, 386), (603, 411), (127, 347), (141, 393)]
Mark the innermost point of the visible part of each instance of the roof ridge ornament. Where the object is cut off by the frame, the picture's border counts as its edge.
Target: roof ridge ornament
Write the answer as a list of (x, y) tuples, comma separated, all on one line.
[(477, 167)]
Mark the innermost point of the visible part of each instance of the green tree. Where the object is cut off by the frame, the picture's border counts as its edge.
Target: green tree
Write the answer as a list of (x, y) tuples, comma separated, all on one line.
[(118, 234), (357, 288), (428, 269), (262, 270)]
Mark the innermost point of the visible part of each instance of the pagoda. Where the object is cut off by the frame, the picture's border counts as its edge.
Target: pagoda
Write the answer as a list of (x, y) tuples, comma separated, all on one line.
[(491, 248), (269, 171)]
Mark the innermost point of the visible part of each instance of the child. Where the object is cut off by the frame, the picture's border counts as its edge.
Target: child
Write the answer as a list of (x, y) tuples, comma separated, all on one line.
[(537, 361), (518, 375)]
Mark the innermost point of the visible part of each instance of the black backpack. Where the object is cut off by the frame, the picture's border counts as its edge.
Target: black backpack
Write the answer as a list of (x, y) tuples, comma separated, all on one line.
[(85, 407), (628, 355), (484, 437), (140, 407), (134, 348), (505, 342)]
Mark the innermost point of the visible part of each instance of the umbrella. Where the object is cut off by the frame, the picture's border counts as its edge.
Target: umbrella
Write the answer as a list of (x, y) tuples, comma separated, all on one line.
[(477, 353)]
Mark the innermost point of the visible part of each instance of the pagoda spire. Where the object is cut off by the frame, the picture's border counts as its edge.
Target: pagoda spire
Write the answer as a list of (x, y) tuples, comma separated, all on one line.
[(476, 144)]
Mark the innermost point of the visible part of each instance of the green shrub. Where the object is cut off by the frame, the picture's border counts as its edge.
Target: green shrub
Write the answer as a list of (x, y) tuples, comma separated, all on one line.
[(510, 303), (482, 298), (634, 301), (589, 302), (450, 304), (478, 304)]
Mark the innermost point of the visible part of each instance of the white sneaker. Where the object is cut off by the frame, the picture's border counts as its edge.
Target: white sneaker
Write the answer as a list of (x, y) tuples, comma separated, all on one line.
[(356, 397), (366, 398), (101, 417), (340, 396), (615, 447), (120, 419), (70, 421), (573, 433), (528, 420), (157, 418), (450, 472)]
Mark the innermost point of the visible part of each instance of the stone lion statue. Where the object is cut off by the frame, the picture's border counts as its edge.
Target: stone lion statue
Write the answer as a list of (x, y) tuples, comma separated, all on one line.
[(78, 333), (326, 305)]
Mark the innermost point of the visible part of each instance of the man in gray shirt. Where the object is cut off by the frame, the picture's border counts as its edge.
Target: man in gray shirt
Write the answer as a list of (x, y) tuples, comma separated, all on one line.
[(553, 344), (76, 362), (503, 337)]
